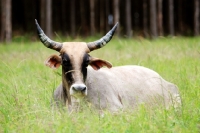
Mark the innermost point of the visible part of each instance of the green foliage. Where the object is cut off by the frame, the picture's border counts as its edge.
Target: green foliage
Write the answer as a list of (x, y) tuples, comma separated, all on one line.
[(27, 85)]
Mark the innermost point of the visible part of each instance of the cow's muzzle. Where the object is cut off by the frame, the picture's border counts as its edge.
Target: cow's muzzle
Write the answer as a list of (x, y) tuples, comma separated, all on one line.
[(78, 90)]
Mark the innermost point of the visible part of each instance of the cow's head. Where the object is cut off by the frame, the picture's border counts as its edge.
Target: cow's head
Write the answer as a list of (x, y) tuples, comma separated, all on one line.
[(74, 59)]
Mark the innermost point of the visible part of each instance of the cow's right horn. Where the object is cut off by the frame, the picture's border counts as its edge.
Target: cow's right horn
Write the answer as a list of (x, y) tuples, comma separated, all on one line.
[(47, 41), (102, 42)]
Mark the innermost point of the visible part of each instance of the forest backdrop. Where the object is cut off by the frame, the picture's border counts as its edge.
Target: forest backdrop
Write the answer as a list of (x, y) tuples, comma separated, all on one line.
[(145, 18)]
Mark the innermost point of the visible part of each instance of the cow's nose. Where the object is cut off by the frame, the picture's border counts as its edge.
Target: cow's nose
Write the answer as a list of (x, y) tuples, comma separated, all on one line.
[(79, 87)]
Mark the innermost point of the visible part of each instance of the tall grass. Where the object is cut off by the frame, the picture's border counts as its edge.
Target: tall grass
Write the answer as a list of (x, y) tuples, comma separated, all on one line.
[(26, 88)]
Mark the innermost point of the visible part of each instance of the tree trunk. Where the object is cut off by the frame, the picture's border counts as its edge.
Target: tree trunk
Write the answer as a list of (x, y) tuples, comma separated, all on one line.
[(160, 18), (92, 17), (49, 18), (180, 16), (116, 15), (3, 19), (83, 18), (196, 17), (128, 18), (171, 17), (72, 17), (64, 17), (42, 14), (107, 14), (153, 24), (6, 21), (145, 18), (102, 16)]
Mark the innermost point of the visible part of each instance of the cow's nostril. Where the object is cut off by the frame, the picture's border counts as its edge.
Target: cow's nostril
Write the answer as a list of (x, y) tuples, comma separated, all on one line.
[(74, 88), (84, 88)]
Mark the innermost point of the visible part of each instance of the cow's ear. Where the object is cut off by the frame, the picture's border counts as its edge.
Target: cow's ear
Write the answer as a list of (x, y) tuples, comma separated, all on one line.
[(53, 61), (96, 63)]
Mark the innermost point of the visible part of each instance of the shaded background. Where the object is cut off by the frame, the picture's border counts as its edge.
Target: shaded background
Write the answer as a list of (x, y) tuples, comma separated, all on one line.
[(145, 18)]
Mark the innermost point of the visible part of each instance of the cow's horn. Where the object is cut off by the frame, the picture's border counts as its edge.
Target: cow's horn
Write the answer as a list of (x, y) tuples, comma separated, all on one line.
[(102, 42), (47, 41)]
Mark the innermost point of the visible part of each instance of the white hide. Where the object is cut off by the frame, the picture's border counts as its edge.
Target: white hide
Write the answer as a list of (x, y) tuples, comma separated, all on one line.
[(126, 87)]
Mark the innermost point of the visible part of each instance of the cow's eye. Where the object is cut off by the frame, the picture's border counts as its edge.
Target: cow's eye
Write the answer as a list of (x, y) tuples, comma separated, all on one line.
[(86, 62), (65, 62)]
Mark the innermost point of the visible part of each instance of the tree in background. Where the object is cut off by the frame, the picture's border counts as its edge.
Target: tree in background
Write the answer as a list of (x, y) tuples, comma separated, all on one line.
[(107, 13), (160, 18), (43, 14), (116, 14), (84, 17), (63, 16), (49, 18), (72, 17), (92, 17), (180, 16), (83, 25), (102, 16), (196, 17), (171, 17), (145, 18), (128, 18), (153, 20), (6, 19), (46, 16)]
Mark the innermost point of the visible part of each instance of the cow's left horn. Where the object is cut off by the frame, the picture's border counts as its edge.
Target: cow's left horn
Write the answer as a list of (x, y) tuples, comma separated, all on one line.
[(47, 41), (102, 42)]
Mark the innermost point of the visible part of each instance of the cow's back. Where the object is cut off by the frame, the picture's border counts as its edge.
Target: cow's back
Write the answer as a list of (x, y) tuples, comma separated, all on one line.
[(127, 86)]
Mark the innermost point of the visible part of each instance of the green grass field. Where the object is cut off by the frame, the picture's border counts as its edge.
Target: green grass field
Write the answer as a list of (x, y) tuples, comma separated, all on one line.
[(26, 87)]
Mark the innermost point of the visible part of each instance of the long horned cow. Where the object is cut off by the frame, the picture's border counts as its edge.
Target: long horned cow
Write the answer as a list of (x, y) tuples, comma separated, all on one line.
[(111, 88)]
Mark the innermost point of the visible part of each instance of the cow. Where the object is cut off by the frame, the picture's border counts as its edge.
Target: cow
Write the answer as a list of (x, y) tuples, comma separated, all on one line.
[(110, 88)]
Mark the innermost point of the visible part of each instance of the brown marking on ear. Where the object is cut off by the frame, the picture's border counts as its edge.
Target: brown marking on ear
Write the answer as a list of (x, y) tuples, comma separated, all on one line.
[(53, 61), (96, 63)]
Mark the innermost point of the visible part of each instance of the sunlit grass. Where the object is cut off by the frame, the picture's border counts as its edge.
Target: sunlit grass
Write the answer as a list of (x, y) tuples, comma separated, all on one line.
[(26, 86)]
